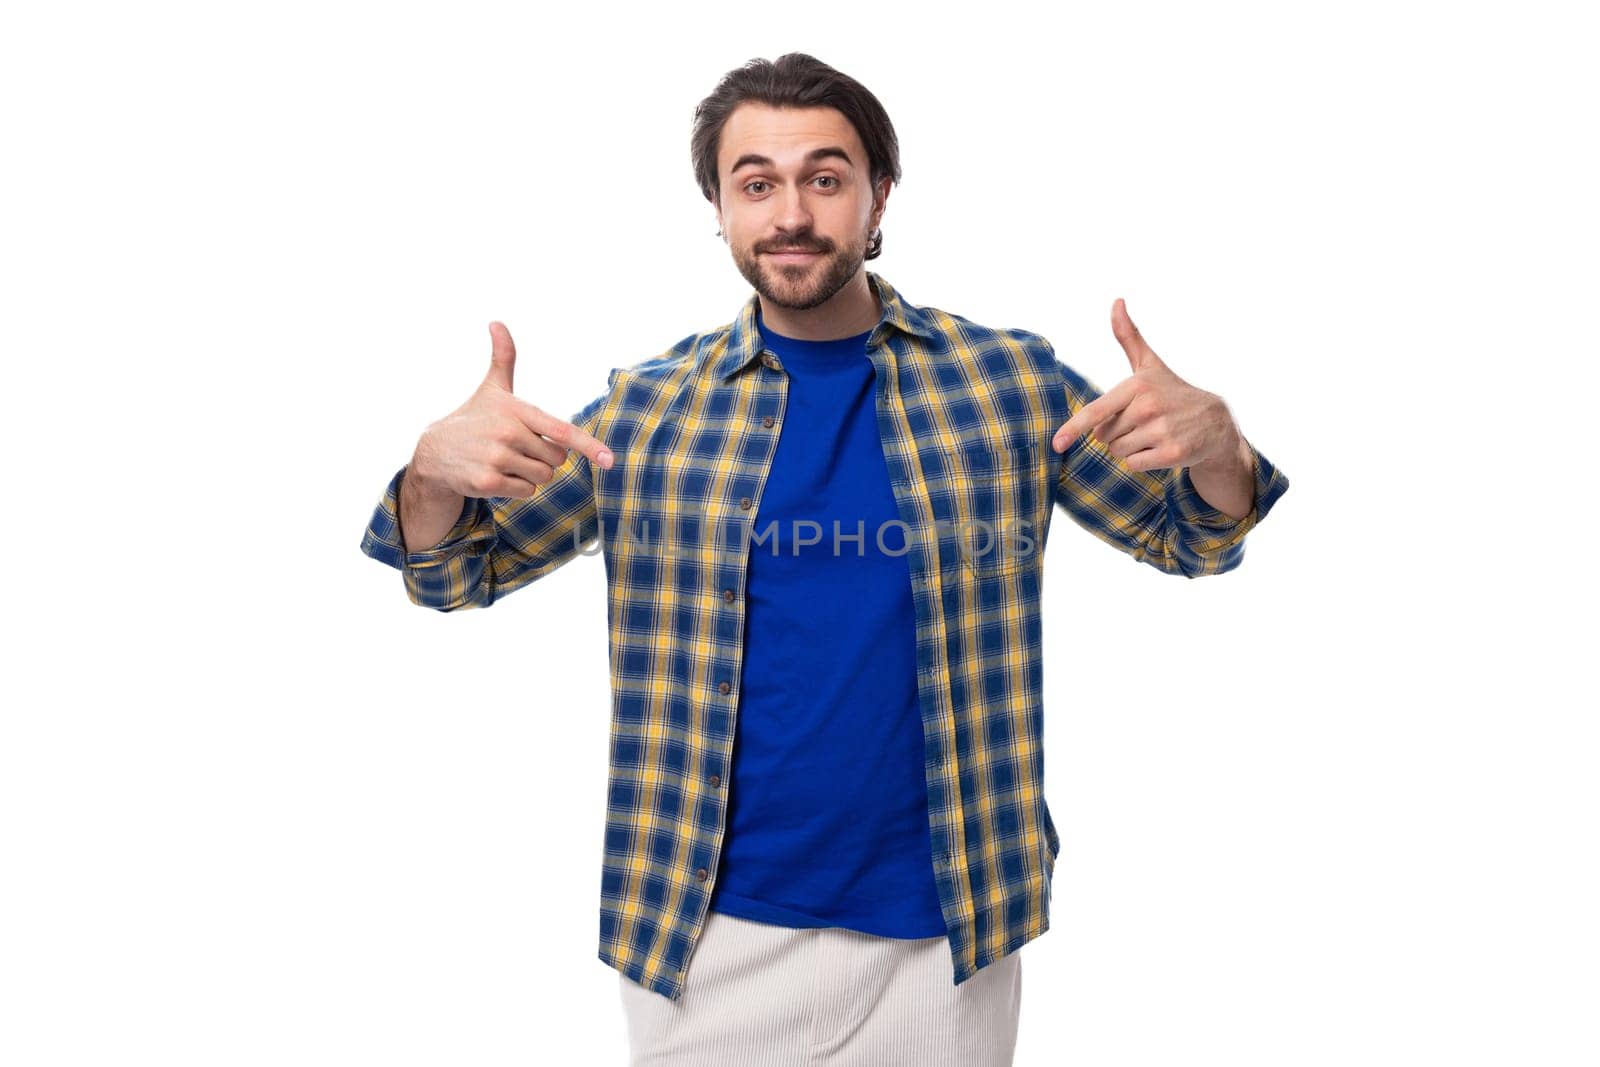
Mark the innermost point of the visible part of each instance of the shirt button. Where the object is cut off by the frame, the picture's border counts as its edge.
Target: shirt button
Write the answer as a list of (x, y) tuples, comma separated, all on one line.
[(727, 596), (744, 502), (716, 780), (767, 421), (724, 688), (701, 874), (770, 361)]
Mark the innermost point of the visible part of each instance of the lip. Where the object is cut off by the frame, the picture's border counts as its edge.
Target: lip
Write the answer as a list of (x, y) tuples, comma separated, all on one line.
[(793, 257)]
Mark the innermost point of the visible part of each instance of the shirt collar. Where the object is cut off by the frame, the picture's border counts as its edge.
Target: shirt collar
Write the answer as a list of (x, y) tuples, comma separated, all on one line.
[(743, 343)]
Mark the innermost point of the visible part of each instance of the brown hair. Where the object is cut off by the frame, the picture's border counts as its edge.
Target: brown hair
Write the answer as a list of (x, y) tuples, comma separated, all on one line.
[(794, 80)]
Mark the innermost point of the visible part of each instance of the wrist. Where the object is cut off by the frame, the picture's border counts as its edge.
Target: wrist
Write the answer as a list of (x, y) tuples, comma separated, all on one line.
[(420, 471), (1236, 455)]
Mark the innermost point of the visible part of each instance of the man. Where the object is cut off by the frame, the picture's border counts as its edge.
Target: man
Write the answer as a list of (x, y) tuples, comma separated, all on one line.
[(823, 527)]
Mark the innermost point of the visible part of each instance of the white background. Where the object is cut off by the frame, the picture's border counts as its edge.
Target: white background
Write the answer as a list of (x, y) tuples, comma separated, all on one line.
[(1335, 807)]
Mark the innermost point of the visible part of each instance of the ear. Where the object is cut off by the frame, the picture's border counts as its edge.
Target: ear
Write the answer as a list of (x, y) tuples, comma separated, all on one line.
[(880, 199), (716, 205)]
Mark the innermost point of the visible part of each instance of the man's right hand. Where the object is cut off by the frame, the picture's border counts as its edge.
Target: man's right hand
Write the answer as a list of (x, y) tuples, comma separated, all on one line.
[(495, 444), (492, 445)]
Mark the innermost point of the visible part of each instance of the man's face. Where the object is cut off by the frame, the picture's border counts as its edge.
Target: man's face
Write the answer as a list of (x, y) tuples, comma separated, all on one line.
[(796, 178)]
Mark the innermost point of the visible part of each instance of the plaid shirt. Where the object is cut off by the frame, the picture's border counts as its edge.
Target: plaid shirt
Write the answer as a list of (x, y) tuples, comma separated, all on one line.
[(966, 415)]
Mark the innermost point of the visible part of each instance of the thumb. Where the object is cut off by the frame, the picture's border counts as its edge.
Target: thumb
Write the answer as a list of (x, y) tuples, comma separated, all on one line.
[(1128, 335), (503, 358)]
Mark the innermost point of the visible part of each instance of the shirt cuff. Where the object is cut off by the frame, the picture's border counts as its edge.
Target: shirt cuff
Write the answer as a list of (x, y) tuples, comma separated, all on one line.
[(1216, 528), (383, 541)]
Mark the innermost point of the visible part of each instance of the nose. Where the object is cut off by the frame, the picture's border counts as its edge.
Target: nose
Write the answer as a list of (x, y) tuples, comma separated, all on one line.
[(793, 216)]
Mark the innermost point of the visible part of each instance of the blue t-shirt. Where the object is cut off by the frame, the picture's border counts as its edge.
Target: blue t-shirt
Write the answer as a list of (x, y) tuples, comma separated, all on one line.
[(827, 820)]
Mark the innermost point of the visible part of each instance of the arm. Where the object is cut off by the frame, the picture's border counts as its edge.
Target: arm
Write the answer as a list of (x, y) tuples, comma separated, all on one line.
[(497, 544), (1157, 517)]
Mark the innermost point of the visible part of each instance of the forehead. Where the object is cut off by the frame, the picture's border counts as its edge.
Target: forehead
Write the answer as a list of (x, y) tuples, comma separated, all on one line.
[(785, 135)]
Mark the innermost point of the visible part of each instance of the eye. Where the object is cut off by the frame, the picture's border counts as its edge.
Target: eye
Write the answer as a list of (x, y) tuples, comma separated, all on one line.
[(749, 184), (829, 178)]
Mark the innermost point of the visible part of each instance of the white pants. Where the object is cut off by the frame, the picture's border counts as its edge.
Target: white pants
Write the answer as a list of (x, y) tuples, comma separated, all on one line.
[(759, 995)]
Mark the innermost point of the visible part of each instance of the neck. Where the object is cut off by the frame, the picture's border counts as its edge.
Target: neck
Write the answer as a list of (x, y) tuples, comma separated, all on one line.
[(852, 310)]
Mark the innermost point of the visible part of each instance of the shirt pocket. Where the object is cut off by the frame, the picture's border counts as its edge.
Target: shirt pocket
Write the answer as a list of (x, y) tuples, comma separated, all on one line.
[(996, 496)]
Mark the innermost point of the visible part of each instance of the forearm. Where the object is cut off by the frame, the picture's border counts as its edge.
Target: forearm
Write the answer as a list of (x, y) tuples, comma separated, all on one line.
[(427, 509), (1228, 484)]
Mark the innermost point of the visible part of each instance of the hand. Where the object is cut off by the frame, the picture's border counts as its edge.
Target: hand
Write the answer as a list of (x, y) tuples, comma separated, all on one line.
[(495, 444), (1153, 419)]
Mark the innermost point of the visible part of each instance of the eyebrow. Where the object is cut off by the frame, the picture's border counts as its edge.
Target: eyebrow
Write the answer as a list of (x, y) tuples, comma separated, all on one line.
[(751, 159)]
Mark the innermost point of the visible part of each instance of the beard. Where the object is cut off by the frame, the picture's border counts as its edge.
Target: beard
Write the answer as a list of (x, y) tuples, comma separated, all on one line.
[(802, 286)]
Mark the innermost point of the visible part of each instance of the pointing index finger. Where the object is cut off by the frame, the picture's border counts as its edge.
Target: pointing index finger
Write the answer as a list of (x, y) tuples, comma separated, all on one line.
[(565, 433), (1094, 413)]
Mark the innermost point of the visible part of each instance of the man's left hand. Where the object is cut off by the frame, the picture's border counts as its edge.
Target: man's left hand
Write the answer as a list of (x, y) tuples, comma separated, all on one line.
[(1154, 419)]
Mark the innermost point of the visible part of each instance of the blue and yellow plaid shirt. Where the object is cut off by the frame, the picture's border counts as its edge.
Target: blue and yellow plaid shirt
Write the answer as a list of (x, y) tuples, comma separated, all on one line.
[(966, 415)]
